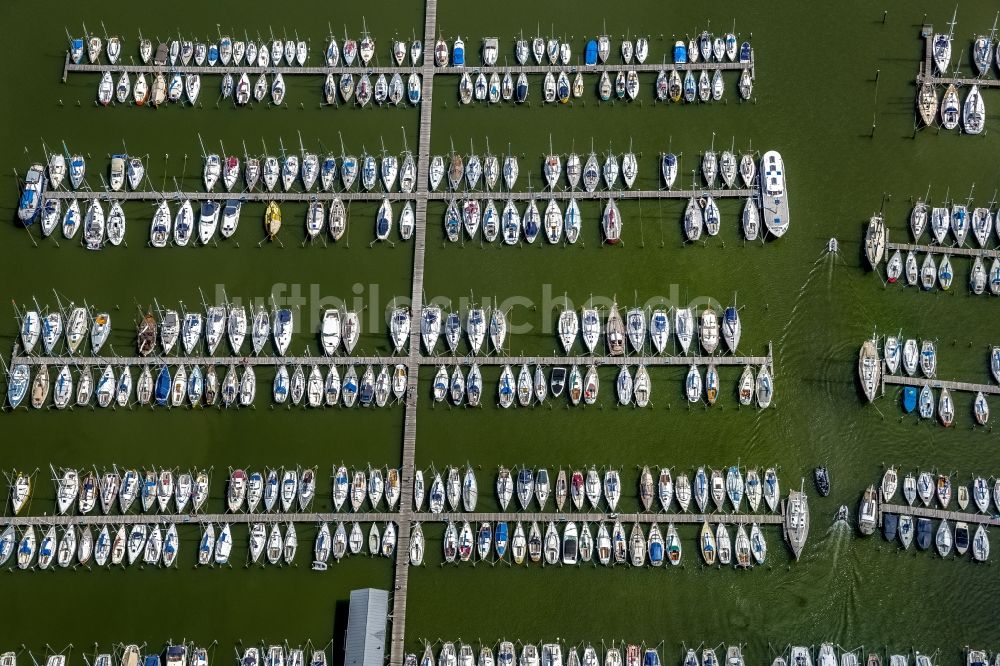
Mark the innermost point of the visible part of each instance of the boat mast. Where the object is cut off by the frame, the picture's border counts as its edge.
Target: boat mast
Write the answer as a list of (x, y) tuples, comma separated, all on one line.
[(343, 152)]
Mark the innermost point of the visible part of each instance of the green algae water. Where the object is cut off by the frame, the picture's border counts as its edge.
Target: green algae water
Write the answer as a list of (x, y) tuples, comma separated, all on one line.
[(825, 74)]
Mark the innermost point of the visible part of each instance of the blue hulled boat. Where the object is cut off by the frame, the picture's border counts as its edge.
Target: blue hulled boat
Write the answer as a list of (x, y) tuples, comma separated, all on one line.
[(500, 539), (590, 53), (909, 399), (162, 390), (680, 53)]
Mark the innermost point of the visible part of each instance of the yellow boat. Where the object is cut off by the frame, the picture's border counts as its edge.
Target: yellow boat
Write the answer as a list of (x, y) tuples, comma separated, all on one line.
[(272, 220)]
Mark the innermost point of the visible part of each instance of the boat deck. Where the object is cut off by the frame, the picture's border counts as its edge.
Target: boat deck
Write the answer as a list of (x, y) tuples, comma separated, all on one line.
[(920, 382)]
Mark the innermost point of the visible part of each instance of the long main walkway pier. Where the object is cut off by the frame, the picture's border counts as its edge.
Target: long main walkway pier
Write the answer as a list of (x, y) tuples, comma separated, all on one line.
[(397, 645)]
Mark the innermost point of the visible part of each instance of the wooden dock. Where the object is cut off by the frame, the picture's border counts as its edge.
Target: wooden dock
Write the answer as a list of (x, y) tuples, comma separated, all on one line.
[(404, 70), (600, 68), (261, 197), (421, 196), (927, 67), (414, 360), (920, 382), (970, 252), (117, 361), (939, 514), (644, 518), (236, 70), (403, 516), (98, 519), (599, 195), (406, 517)]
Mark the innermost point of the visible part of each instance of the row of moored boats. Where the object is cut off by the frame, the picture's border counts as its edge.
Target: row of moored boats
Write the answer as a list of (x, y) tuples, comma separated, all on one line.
[(178, 88), (577, 544), (246, 52), (704, 47), (630, 654), (623, 85), (282, 490), (390, 172), (909, 356), (662, 324), (451, 490), (182, 654), (582, 386), (908, 528)]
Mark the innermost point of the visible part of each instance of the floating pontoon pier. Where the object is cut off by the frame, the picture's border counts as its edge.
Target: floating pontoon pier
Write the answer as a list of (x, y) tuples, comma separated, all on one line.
[(413, 360), (926, 71), (920, 382), (971, 252), (376, 196), (396, 517), (938, 514)]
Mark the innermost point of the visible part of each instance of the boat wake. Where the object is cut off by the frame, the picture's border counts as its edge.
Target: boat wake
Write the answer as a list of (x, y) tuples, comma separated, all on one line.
[(838, 535), (824, 258), (831, 259)]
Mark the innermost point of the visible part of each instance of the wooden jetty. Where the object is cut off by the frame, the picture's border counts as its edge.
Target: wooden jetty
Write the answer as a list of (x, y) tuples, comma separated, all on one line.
[(414, 360), (926, 72), (255, 196), (600, 68), (644, 518), (403, 516), (427, 69), (236, 70), (600, 195), (648, 361), (970, 252), (920, 382), (421, 195), (939, 514)]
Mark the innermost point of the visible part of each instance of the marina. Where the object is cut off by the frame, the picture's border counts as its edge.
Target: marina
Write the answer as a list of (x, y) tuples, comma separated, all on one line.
[(803, 304)]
